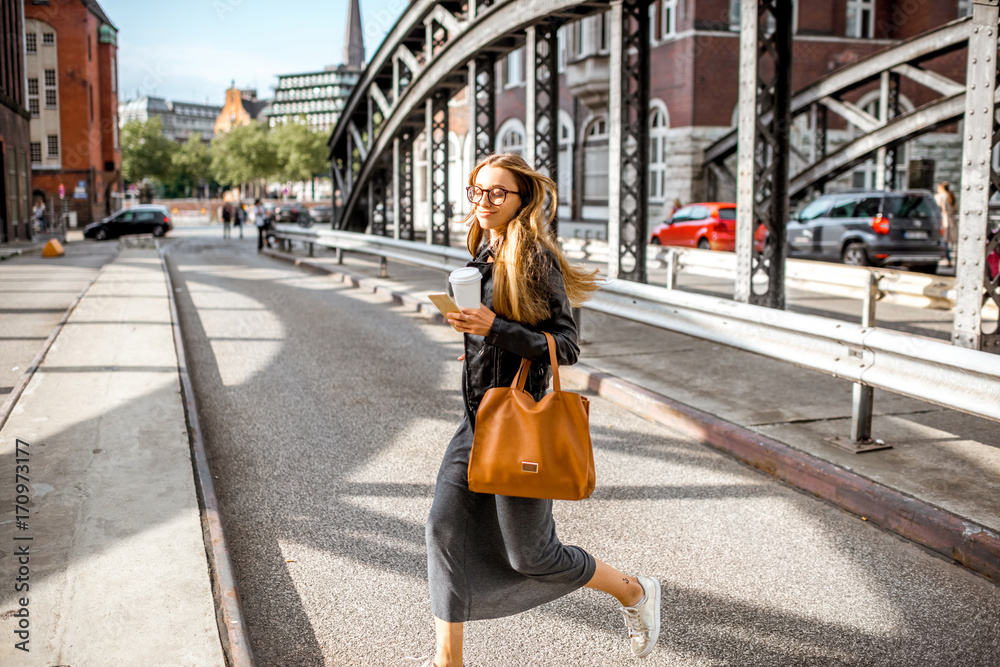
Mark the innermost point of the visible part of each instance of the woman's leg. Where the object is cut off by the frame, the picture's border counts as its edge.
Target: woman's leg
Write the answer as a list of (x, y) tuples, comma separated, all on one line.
[(449, 643), (622, 586)]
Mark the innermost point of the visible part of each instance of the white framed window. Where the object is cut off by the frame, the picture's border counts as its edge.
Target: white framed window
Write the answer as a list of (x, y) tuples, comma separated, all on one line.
[(48, 39), (603, 32), (595, 162), (861, 18), (668, 19), (512, 69), (53, 145), (35, 148), (577, 40), (964, 8), (30, 42), (659, 123)]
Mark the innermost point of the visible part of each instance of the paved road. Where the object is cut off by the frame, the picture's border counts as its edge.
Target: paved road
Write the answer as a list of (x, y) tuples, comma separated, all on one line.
[(325, 412)]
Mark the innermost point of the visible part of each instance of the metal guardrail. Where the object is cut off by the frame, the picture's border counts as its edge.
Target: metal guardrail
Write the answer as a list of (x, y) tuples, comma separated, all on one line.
[(922, 368), (919, 290)]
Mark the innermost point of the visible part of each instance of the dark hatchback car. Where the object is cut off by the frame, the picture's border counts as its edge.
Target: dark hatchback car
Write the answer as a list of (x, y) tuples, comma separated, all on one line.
[(142, 219), (870, 228), (293, 212), (322, 213)]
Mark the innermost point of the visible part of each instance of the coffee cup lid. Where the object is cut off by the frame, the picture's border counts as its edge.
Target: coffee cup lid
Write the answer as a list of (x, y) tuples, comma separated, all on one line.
[(469, 274)]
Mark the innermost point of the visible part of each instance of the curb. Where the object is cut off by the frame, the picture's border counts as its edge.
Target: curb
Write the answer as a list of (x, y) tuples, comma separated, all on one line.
[(228, 611), (29, 372), (937, 529)]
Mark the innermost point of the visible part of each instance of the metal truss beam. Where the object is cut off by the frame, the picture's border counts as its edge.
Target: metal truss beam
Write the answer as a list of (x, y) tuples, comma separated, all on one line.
[(542, 100), (482, 81), (403, 186), (629, 139), (762, 191), (439, 207), (946, 39), (976, 283)]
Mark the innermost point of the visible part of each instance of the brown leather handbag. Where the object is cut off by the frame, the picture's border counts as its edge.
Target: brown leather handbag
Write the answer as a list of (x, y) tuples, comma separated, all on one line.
[(533, 449)]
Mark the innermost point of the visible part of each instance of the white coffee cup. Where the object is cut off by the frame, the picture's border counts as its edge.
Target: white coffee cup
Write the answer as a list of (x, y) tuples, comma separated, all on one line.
[(466, 284)]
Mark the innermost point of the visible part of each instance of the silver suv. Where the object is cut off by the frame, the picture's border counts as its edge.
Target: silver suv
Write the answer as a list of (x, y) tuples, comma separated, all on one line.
[(870, 228)]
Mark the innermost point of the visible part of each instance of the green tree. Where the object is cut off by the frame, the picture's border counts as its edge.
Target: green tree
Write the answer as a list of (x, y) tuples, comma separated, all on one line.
[(191, 166), (245, 154), (301, 152), (146, 153)]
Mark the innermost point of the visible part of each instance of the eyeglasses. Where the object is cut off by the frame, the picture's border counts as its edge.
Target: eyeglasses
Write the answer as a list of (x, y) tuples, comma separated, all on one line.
[(497, 196)]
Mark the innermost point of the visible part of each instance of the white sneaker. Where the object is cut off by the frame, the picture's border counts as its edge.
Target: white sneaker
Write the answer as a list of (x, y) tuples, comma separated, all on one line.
[(643, 620)]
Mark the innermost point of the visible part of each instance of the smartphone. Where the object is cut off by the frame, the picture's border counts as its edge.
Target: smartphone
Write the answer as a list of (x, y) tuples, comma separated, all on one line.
[(444, 303)]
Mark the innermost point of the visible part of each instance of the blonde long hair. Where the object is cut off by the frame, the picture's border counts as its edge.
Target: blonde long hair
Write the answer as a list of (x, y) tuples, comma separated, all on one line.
[(520, 263)]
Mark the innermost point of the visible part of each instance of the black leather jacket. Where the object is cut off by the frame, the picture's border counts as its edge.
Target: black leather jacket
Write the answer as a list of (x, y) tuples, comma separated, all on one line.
[(493, 360)]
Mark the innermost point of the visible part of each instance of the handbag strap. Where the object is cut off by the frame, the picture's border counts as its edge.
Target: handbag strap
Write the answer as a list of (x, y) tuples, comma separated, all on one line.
[(522, 372)]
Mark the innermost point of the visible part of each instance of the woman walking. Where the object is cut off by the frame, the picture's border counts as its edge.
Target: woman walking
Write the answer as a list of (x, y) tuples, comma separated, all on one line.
[(945, 199), (492, 556)]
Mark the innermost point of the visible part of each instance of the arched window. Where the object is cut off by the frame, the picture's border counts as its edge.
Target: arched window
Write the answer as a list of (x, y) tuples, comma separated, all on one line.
[(510, 137), (659, 123), (595, 162)]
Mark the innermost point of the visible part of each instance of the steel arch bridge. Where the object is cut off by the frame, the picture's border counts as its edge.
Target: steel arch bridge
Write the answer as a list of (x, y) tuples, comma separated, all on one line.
[(438, 48)]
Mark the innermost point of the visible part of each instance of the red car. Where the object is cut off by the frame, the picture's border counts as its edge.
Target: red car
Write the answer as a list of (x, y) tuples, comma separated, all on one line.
[(710, 225)]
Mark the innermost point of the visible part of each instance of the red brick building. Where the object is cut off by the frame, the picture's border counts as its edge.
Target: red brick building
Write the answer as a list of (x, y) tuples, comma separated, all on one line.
[(694, 89), (15, 174), (72, 94)]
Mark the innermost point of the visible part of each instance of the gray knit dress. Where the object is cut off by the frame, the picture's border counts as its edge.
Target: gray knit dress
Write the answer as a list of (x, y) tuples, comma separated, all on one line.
[(492, 556)]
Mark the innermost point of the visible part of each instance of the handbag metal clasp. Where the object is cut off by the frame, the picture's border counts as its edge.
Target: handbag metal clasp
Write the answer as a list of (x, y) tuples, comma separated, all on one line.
[(529, 466)]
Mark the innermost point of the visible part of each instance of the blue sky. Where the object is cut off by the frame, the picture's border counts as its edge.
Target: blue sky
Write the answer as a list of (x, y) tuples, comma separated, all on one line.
[(190, 50)]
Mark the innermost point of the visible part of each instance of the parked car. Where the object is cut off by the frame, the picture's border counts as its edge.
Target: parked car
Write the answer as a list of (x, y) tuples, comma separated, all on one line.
[(709, 225), (870, 228), (292, 212), (142, 219), (322, 213)]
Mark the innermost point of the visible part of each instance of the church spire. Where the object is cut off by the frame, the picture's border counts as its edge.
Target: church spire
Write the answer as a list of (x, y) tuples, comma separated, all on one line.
[(354, 43)]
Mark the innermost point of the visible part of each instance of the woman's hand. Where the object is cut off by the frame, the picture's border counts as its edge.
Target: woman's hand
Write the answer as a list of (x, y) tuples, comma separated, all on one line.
[(477, 321)]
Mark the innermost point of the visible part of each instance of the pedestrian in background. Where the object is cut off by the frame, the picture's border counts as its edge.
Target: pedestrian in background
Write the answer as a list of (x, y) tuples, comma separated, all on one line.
[(945, 199), (260, 219), (676, 206), (40, 222), (227, 220), (240, 216), (490, 556)]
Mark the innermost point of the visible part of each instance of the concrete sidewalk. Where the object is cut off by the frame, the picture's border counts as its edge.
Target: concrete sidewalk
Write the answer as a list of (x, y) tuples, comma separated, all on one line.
[(939, 485), (117, 571)]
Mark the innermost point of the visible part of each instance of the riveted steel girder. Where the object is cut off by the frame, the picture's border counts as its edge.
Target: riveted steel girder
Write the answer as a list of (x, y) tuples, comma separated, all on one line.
[(762, 190), (977, 280), (629, 139)]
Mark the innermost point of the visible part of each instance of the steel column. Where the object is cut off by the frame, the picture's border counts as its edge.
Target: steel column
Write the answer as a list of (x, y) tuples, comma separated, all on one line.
[(483, 71), (439, 208), (975, 283), (629, 140), (762, 193), (404, 178), (546, 58)]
